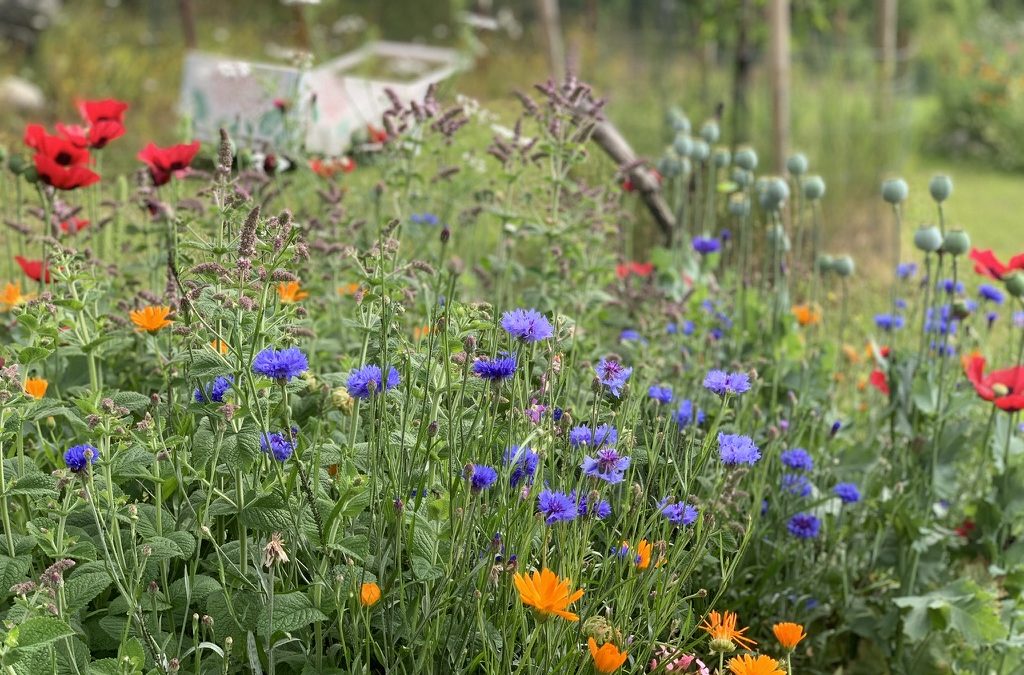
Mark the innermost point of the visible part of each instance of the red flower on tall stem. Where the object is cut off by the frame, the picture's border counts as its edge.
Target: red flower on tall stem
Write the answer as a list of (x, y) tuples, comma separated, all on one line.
[(879, 381), (987, 264), (102, 132), (59, 150), (623, 270), (105, 110), (63, 177), (33, 269), (75, 134), (1004, 387), (166, 162), (74, 225)]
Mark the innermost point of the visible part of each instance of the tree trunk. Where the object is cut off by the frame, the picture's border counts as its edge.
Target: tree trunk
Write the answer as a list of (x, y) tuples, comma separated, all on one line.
[(549, 17), (188, 23), (742, 67)]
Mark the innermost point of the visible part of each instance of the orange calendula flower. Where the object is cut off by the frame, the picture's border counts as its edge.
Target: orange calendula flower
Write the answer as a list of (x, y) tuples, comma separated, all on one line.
[(36, 387), (789, 634), (607, 658), (420, 332), (151, 318), (219, 346), (12, 297), (724, 634), (348, 289), (547, 594), (291, 292), (369, 594), (754, 665), (806, 314)]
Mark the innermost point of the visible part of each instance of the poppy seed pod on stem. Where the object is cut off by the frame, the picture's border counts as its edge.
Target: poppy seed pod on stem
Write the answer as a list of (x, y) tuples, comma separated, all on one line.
[(956, 243), (746, 159), (940, 187), (701, 151), (797, 164), (814, 187), (843, 266), (1015, 284), (895, 190), (722, 158), (683, 145), (824, 264), (710, 132), (928, 238), (775, 194)]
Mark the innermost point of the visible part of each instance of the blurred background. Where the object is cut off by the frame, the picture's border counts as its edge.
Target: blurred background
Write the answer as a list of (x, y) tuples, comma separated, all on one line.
[(872, 87)]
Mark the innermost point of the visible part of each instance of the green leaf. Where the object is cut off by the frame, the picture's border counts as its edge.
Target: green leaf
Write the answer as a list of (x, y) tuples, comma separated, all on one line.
[(292, 611), (963, 608), (133, 651), (104, 667), (926, 397), (32, 354), (160, 548), (12, 570), (81, 588), (41, 631), (267, 513), (132, 400)]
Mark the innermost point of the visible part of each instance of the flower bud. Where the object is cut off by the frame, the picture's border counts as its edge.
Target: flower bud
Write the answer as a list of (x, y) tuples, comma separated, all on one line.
[(843, 266), (775, 194), (17, 164), (895, 190), (1015, 284), (960, 309), (710, 131), (746, 159), (683, 145), (928, 239), (701, 151), (814, 187), (721, 158), (941, 187), (797, 164), (956, 242), (342, 400), (824, 264)]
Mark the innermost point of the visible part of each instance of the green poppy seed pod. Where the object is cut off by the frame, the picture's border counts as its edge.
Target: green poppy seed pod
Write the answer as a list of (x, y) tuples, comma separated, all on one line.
[(722, 158), (775, 194), (928, 238), (956, 242), (741, 177), (17, 164), (1015, 284), (814, 188), (30, 174), (777, 238), (678, 121), (739, 205), (843, 266), (960, 309), (746, 158), (895, 190), (683, 145), (710, 132), (824, 263), (797, 164), (941, 187), (669, 166), (701, 151)]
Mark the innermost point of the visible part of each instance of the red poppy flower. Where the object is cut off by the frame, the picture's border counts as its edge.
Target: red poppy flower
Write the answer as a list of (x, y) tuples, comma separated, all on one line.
[(103, 132), (74, 225), (987, 264), (74, 134), (63, 177), (965, 528), (1005, 387), (165, 162), (60, 150), (328, 168), (879, 381), (628, 185), (33, 268), (105, 110), (376, 135), (623, 270)]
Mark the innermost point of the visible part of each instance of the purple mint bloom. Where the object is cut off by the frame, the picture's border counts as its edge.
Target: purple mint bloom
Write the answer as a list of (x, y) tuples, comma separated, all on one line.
[(556, 507), (660, 394), (482, 477), (735, 449), (535, 412), (277, 444), (685, 416), (796, 484), (906, 270), (678, 513), (804, 526), (527, 325), (847, 492), (280, 365), (75, 458), (706, 245), (991, 293), (608, 466), (523, 462), (500, 368), (366, 381), (613, 375), (214, 391), (797, 459)]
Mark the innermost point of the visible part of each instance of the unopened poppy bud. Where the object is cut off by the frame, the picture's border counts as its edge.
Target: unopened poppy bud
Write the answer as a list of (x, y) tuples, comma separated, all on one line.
[(740, 176), (777, 237), (928, 238), (746, 159), (30, 174), (814, 187), (843, 266), (17, 164), (1015, 284), (710, 132), (797, 164), (956, 243), (940, 187), (895, 190)]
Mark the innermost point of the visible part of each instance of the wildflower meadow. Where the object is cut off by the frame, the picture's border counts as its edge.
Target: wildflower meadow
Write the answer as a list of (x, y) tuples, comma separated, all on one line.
[(423, 409)]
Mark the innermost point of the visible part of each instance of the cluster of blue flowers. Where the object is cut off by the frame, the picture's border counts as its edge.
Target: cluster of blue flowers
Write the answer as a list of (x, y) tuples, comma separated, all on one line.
[(706, 245), (686, 328), (685, 415), (630, 335), (804, 526), (797, 459), (523, 462), (369, 380), (559, 507), (889, 322), (661, 394), (582, 435), (424, 219)]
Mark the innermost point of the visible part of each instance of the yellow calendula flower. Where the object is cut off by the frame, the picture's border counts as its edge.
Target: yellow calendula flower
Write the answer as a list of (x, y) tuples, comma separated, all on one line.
[(36, 387), (348, 289), (152, 318), (290, 292), (420, 332), (547, 594)]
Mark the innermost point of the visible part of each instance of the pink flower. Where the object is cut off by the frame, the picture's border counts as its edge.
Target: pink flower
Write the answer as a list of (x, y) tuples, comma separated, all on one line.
[(535, 411)]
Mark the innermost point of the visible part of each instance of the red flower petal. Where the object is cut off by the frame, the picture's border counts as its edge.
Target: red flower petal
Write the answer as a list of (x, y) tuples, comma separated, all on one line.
[(879, 381), (63, 177), (33, 268)]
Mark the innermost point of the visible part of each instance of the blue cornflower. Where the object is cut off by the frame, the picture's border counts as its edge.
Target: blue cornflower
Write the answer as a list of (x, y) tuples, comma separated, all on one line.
[(277, 444), (991, 293), (75, 457), (847, 492), (660, 394), (707, 306), (706, 245), (889, 321), (836, 426), (601, 510), (797, 459), (500, 368), (527, 325), (725, 234), (721, 383), (613, 375), (735, 449), (366, 381), (630, 335), (214, 391), (991, 318), (482, 477), (557, 415), (906, 270), (688, 327), (804, 526), (685, 416), (950, 286), (556, 506), (609, 466), (424, 219), (671, 328), (605, 434), (678, 513), (715, 334), (947, 350), (523, 462), (280, 365), (901, 303), (796, 484)]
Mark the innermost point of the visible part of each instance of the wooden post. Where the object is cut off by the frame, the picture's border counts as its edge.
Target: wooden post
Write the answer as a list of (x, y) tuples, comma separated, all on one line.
[(553, 35), (887, 18), (778, 68), (188, 23)]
